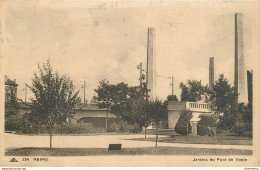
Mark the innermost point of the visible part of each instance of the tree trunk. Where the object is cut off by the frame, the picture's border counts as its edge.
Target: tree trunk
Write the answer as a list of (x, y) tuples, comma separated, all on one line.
[(51, 138), (156, 134), (187, 129), (106, 121), (145, 132)]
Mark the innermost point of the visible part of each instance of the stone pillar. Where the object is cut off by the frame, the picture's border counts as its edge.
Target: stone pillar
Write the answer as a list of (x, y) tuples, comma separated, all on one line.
[(151, 64), (240, 83), (211, 73), (194, 126)]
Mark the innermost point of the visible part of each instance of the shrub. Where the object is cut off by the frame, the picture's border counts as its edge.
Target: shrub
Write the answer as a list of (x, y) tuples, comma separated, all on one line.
[(212, 131), (181, 127), (239, 128), (80, 128), (207, 125), (29, 127), (13, 123), (184, 120), (125, 127)]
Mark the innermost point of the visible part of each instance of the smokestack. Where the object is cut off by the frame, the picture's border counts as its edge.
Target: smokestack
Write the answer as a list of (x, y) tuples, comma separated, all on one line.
[(211, 73), (240, 83), (151, 65)]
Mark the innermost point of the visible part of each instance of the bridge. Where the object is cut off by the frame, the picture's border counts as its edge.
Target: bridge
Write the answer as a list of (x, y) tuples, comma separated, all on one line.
[(197, 108)]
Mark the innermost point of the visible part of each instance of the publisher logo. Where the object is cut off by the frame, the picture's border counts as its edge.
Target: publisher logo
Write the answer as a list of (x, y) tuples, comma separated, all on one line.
[(13, 160)]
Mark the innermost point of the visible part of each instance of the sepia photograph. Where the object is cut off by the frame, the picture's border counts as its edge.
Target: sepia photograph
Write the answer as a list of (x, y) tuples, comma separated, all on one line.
[(129, 83)]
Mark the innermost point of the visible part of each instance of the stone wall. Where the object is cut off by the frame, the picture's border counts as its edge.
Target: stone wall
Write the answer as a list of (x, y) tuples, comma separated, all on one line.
[(174, 110)]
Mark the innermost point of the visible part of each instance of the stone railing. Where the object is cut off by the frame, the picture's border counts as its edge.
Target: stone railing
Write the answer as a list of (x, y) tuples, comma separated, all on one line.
[(194, 106)]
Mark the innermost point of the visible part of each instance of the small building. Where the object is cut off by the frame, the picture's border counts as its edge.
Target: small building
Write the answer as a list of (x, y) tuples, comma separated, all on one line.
[(10, 87), (197, 108)]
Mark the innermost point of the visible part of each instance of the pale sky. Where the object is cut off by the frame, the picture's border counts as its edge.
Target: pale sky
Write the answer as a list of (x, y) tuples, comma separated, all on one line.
[(108, 41)]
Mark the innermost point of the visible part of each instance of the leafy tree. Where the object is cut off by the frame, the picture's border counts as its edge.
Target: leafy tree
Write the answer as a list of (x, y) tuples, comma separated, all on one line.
[(183, 125), (122, 100), (157, 110), (192, 91), (239, 125), (55, 97), (172, 98), (224, 103), (243, 119), (185, 94), (246, 112), (234, 116), (133, 111), (109, 95), (223, 96)]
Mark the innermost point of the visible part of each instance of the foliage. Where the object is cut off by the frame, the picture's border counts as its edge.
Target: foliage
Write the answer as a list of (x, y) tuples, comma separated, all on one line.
[(106, 94), (80, 128), (239, 127), (236, 117), (207, 125), (12, 123), (112, 94), (184, 120), (119, 98), (192, 91), (133, 111), (223, 97), (233, 116), (125, 127), (172, 98), (124, 101), (157, 111), (243, 119), (11, 105), (27, 125), (24, 125), (246, 111), (55, 97)]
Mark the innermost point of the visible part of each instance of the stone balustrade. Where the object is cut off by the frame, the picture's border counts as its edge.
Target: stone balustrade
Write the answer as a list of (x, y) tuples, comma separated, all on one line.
[(197, 106)]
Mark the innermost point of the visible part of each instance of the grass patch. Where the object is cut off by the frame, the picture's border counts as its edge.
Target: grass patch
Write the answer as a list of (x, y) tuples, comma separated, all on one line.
[(219, 139), (124, 151)]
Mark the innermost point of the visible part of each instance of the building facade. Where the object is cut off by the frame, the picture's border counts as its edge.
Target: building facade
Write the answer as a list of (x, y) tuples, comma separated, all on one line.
[(10, 87)]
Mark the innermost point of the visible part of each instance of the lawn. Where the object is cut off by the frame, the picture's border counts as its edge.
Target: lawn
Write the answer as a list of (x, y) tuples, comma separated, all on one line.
[(219, 139), (124, 151)]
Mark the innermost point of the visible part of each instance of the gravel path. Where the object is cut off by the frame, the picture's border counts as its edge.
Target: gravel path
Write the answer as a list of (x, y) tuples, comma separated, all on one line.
[(99, 141)]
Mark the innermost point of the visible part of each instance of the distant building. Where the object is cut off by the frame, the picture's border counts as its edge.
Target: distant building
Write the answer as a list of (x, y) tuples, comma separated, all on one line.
[(10, 87)]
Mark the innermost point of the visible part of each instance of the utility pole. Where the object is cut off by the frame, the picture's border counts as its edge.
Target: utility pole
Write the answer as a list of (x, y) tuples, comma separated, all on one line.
[(141, 72), (142, 77), (84, 89), (139, 67), (172, 84), (25, 96)]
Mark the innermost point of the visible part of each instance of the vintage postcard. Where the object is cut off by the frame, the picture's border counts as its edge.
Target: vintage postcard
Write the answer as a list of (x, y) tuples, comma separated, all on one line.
[(129, 83)]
